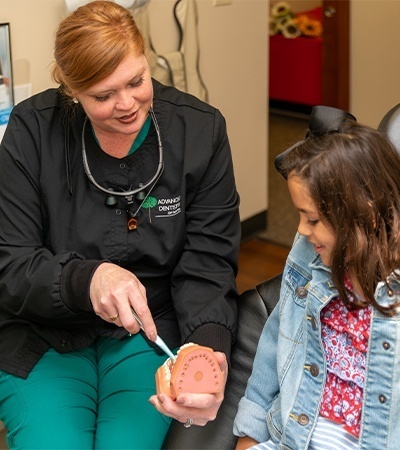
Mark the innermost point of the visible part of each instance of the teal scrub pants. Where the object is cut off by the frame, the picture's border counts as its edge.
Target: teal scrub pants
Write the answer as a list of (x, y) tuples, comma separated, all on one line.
[(95, 398)]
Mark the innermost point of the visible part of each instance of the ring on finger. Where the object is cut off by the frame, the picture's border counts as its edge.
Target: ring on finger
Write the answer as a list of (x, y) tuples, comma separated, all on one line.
[(114, 318), (188, 423)]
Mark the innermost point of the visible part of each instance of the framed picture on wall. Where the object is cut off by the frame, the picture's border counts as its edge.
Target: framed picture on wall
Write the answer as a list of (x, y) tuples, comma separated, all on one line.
[(6, 79)]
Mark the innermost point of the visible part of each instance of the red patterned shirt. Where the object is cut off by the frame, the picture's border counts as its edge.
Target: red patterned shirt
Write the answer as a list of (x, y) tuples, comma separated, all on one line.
[(345, 335)]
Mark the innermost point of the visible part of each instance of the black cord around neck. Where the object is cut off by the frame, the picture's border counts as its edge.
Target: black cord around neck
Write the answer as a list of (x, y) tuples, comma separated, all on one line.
[(142, 186)]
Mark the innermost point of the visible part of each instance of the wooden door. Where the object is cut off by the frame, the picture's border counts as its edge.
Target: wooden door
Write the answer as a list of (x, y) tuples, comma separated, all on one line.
[(336, 54)]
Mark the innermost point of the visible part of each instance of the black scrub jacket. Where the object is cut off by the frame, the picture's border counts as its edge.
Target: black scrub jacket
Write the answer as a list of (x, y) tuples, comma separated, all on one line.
[(55, 228)]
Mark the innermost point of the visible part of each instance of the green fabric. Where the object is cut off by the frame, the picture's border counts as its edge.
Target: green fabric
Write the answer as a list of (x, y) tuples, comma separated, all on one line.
[(96, 398), (144, 131)]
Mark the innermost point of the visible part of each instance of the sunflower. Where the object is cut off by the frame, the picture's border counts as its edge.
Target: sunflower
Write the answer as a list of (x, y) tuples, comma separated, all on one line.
[(281, 22), (273, 27), (281, 9), (307, 26), (290, 30)]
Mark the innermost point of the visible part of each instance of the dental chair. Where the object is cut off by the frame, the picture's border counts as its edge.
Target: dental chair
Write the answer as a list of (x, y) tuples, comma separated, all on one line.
[(390, 124), (254, 307)]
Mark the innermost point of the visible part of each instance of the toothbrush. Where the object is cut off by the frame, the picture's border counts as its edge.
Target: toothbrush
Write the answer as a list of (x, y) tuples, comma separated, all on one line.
[(164, 347)]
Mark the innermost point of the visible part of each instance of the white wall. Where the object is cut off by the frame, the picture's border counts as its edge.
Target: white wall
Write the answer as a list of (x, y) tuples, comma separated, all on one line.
[(234, 55), (234, 67)]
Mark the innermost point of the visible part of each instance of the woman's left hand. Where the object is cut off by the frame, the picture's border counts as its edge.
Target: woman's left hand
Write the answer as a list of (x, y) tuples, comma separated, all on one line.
[(200, 408)]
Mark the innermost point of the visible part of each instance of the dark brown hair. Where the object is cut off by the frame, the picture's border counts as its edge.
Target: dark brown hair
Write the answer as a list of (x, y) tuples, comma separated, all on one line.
[(353, 177), (91, 42)]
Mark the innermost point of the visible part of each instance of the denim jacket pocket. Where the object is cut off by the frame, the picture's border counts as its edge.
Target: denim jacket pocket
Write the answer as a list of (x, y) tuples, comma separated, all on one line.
[(274, 424), (274, 420)]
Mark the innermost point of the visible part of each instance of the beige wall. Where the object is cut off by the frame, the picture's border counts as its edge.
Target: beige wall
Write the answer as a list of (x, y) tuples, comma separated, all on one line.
[(32, 24), (375, 58), (234, 52)]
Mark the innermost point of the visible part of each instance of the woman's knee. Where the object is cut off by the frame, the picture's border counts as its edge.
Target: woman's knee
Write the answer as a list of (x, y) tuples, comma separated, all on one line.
[(55, 407)]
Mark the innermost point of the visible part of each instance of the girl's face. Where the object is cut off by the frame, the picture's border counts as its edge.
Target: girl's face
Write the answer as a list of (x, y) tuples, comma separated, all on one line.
[(310, 224), (120, 103)]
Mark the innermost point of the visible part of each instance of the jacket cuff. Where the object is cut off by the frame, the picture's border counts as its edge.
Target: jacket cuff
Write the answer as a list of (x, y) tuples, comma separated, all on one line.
[(75, 284), (215, 336)]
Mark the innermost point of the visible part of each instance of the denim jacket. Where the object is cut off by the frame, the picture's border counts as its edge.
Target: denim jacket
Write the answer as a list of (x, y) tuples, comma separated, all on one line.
[(283, 394)]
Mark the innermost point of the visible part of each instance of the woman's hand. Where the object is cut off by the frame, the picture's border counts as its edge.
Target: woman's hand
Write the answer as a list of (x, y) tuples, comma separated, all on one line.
[(113, 292), (201, 408)]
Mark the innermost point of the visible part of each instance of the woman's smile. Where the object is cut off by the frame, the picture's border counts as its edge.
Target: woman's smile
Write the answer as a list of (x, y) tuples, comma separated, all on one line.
[(128, 119)]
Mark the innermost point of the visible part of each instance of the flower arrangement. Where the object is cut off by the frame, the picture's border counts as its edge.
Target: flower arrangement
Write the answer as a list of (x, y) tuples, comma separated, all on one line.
[(283, 20)]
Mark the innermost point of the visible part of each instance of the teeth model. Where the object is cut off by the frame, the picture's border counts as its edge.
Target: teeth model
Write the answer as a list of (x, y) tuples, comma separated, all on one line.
[(195, 370)]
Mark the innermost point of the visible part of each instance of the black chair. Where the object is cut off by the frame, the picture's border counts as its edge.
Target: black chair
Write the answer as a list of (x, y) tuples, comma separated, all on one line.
[(254, 307), (390, 124)]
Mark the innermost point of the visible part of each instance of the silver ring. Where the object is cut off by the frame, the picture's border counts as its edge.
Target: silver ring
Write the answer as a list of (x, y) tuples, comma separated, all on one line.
[(188, 423)]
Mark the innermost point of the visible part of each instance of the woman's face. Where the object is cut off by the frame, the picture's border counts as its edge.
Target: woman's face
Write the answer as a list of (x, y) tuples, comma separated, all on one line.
[(310, 224), (120, 103)]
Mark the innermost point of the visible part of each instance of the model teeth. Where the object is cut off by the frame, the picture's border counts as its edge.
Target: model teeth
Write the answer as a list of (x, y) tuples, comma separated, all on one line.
[(168, 365)]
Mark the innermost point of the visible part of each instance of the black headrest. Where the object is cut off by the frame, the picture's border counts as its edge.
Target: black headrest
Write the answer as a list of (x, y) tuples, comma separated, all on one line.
[(390, 124)]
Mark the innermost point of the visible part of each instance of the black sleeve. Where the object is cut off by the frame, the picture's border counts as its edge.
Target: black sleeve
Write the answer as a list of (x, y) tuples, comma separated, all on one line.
[(35, 284), (203, 284)]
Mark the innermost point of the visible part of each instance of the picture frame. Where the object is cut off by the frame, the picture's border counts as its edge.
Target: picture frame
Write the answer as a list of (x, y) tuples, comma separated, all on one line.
[(6, 75)]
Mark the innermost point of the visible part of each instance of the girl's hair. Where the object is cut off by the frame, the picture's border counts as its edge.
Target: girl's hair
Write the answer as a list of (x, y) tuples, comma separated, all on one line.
[(91, 42), (353, 177)]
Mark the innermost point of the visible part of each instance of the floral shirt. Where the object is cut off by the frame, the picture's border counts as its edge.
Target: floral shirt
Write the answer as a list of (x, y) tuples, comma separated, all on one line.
[(345, 335)]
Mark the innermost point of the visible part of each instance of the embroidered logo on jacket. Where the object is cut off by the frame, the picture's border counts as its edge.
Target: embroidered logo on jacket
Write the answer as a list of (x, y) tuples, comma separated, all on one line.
[(163, 207)]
